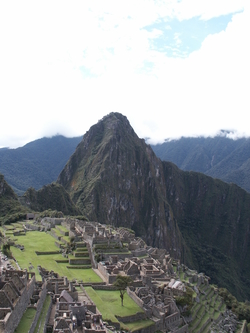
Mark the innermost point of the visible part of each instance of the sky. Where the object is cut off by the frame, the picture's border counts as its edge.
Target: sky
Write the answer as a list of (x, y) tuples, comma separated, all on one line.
[(173, 68)]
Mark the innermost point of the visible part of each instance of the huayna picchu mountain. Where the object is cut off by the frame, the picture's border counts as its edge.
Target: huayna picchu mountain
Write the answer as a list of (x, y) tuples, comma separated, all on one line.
[(115, 178)]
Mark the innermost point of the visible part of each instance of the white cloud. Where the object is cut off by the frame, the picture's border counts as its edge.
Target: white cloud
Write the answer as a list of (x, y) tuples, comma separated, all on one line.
[(65, 65)]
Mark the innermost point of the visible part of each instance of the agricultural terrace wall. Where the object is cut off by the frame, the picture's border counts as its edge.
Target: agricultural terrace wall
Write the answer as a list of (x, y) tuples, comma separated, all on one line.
[(22, 302), (132, 318), (33, 227), (81, 261), (46, 252), (104, 287), (39, 307)]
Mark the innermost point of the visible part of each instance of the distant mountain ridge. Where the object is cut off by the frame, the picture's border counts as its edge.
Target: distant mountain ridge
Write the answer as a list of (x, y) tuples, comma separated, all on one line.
[(219, 157), (37, 163), (114, 177)]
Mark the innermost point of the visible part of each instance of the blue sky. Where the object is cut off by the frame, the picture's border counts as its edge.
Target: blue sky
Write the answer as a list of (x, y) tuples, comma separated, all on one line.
[(175, 68), (181, 38)]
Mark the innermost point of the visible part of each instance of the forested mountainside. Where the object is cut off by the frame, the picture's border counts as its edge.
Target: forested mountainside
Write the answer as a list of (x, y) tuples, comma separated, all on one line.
[(52, 196), (37, 163), (219, 157), (115, 178), (10, 207)]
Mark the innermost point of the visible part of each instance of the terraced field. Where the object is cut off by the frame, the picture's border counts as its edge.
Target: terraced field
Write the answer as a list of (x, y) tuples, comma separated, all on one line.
[(209, 308), (51, 258)]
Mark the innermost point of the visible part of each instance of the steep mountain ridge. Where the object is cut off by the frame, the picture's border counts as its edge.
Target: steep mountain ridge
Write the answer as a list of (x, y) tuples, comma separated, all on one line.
[(115, 178), (214, 219), (219, 157)]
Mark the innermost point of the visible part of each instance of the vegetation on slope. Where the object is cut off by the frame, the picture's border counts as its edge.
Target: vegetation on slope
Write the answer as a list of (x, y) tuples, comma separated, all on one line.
[(52, 197), (115, 178), (219, 157), (37, 163), (10, 208), (214, 219)]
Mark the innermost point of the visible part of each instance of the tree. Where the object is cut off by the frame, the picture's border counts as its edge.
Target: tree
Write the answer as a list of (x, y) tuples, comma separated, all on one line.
[(121, 283)]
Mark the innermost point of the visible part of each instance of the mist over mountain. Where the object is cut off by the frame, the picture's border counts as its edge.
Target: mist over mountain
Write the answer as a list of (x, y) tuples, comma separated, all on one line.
[(219, 157)]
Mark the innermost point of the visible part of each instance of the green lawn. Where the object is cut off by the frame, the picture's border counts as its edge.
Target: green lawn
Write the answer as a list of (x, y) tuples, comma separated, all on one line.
[(41, 241), (26, 321), (109, 304), (41, 321), (140, 324)]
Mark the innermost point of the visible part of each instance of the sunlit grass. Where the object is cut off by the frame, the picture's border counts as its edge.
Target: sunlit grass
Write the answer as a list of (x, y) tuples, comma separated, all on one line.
[(102, 298), (41, 241)]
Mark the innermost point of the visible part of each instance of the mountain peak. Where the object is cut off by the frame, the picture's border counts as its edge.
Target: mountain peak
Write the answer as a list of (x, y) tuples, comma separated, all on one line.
[(115, 178)]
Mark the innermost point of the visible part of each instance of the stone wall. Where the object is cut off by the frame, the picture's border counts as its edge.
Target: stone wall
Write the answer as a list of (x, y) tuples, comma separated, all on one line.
[(135, 298), (39, 307), (172, 319), (14, 318), (132, 318), (47, 317), (81, 261), (104, 287)]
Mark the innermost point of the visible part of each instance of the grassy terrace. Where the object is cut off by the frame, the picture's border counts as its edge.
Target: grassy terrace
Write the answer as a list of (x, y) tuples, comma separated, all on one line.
[(41, 321), (59, 234), (102, 298), (29, 315), (41, 241), (26, 321)]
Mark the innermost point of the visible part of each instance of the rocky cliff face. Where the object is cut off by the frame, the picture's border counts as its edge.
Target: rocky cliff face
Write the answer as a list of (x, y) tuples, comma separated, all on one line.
[(115, 178), (214, 219)]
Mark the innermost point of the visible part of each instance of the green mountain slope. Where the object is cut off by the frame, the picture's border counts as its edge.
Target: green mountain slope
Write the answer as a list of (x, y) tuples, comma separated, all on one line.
[(219, 157), (115, 178), (214, 219), (36, 164), (10, 208), (52, 196)]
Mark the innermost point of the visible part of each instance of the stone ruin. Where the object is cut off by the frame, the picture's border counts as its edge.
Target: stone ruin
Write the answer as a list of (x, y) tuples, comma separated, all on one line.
[(18, 290)]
